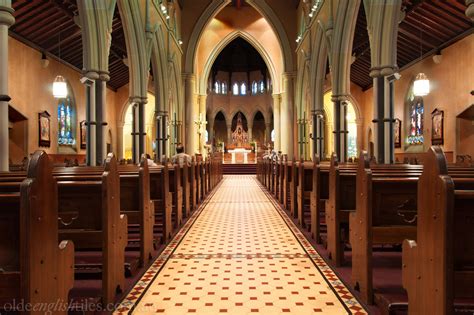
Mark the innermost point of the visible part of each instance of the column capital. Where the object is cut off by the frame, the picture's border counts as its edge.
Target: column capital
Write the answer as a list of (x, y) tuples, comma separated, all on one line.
[(6, 16), (470, 9), (90, 74), (188, 76), (138, 99), (5, 98), (104, 76), (339, 97), (289, 75), (382, 71)]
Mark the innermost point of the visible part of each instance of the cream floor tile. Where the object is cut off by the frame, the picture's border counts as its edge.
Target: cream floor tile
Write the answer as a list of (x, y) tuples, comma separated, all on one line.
[(240, 257)]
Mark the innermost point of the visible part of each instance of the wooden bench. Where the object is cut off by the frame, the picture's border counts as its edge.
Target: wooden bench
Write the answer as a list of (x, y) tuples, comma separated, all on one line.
[(438, 267), (176, 191), (35, 266), (89, 215), (305, 194), (162, 199)]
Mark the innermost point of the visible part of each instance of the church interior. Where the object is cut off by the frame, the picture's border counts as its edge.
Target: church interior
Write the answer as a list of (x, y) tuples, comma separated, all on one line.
[(236, 156)]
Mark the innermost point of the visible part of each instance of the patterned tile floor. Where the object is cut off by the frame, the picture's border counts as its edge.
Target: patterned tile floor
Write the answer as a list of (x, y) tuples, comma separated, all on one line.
[(240, 254)]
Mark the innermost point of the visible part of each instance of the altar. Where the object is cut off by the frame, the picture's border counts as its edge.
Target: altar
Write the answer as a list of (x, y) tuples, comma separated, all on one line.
[(240, 155)]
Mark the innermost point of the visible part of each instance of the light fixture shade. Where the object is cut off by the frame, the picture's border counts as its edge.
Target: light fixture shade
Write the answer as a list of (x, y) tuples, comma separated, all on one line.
[(59, 87), (421, 86)]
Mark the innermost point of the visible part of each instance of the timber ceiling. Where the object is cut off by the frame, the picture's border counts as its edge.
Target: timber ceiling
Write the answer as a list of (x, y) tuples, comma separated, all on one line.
[(428, 27), (48, 25)]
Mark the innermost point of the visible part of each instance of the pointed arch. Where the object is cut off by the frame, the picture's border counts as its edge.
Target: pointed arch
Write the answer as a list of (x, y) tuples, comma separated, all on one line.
[(222, 44)]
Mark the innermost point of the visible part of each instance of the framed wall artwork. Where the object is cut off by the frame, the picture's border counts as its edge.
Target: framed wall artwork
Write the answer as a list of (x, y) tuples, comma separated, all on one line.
[(397, 133), (44, 129), (437, 127), (83, 128)]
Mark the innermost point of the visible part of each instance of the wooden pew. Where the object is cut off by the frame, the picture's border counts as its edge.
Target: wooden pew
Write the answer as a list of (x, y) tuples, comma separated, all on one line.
[(438, 266), (162, 199), (89, 215), (185, 183), (197, 179), (176, 191), (340, 203), (193, 191), (135, 202), (35, 269), (305, 193)]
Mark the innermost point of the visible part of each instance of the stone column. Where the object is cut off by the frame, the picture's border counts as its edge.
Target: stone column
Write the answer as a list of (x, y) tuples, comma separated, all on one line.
[(250, 133), (135, 134), (101, 118), (317, 118), (268, 132), (360, 135), (190, 114), (141, 127), (340, 127), (276, 121), (161, 134), (211, 130), (383, 116), (229, 134), (470, 9), (202, 111), (6, 20), (288, 122), (120, 140), (89, 80)]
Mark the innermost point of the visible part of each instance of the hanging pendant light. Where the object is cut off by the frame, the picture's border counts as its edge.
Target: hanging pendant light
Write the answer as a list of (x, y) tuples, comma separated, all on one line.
[(421, 86), (59, 84), (59, 87)]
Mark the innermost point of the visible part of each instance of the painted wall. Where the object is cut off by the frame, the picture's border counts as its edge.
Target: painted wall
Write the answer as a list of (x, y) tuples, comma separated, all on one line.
[(30, 87), (451, 83)]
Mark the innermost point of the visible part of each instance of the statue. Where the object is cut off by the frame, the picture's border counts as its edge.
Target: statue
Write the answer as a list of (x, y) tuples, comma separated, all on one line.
[(239, 136)]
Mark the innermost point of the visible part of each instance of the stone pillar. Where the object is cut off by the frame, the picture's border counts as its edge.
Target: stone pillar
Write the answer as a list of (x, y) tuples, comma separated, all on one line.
[(470, 9), (268, 132), (288, 142), (6, 20), (190, 114), (202, 112), (101, 119), (360, 135), (340, 127), (276, 121), (211, 130), (89, 80), (383, 117), (141, 128), (161, 134), (120, 140), (317, 118), (250, 133), (229, 134), (135, 134)]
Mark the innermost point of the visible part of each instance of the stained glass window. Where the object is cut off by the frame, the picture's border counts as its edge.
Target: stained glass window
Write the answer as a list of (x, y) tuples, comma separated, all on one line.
[(235, 89), (243, 89), (262, 87), (223, 88), (217, 87), (416, 110), (65, 128), (254, 87)]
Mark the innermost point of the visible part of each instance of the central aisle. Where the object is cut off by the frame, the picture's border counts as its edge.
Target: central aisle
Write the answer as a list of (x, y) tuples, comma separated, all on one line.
[(240, 254)]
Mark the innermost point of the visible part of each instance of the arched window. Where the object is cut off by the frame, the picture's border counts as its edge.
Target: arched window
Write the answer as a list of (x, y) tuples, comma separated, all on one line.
[(224, 88), (243, 89), (217, 87), (416, 110), (235, 89), (352, 128), (254, 88), (65, 121), (262, 87)]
